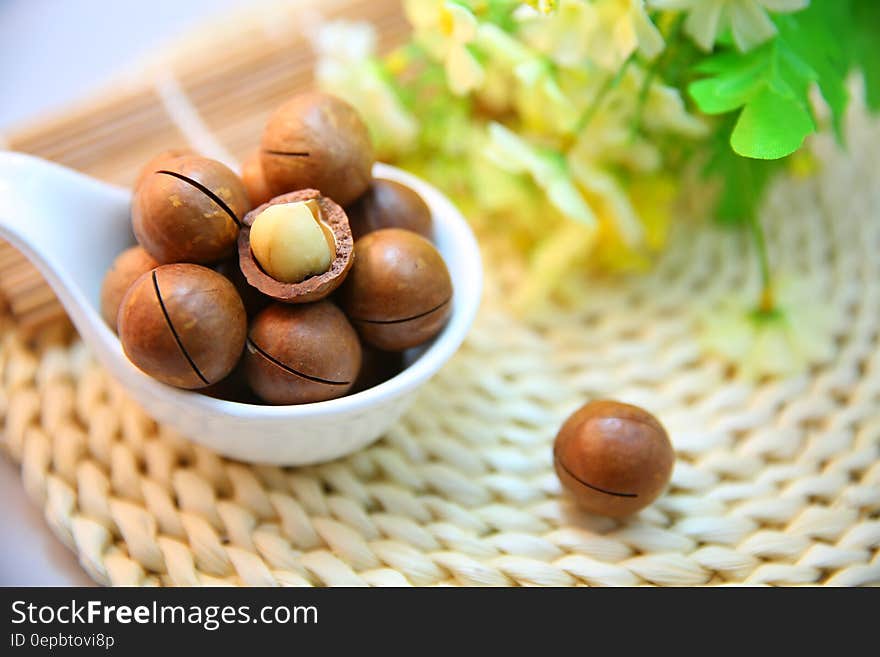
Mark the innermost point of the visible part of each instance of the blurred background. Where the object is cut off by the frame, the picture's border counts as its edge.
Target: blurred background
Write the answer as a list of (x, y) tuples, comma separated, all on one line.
[(97, 41)]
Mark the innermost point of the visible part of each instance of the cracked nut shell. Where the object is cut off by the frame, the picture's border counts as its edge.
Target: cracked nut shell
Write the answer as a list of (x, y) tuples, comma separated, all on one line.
[(317, 141), (398, 293), (183, 324), (189, 211), (614, 458), (312, 288), (388, 204), (301, 354), (125, 270)]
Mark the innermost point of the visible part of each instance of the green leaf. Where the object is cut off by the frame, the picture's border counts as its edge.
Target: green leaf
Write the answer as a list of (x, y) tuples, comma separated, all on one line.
[(816, 37), (771, 126), (866, 47), (738, 78), (771, 84), (820, 44), (743, 180)]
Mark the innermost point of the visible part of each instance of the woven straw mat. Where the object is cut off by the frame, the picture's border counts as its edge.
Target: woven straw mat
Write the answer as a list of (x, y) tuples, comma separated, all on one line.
[(776, 481)]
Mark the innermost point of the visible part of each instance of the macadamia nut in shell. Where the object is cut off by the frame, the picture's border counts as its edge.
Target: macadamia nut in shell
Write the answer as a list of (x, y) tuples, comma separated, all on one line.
[(614, 458), (126, 269), (317, 141), (301, 353), (398, 293), (190, 211), (389, 204), (254, 181), (183, 324)]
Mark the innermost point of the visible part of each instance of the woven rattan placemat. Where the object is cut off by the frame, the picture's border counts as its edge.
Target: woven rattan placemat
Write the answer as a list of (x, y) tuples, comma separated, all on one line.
[(777, 481)]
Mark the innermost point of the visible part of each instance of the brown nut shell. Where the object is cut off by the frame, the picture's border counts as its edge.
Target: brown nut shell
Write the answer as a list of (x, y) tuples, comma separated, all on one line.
[(399, 293), (183, 324), (254, 180), (301, 354), (161, 161), (313, 288), (125, 270), (614, 458), (377, 367), (254, 300), (189, 211), (233, 388), (317, 141), (389, 204)]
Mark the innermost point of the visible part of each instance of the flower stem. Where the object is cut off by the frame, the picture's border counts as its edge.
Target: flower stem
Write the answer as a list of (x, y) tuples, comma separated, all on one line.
[(604, 90), (652, 72), (767, 301)]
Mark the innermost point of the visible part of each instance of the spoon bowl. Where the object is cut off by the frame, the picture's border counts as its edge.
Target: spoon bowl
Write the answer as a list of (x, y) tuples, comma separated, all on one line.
[(72, 226)]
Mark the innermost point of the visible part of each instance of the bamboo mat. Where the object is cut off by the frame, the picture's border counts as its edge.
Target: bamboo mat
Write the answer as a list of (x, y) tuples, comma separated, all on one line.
[(777, 481)]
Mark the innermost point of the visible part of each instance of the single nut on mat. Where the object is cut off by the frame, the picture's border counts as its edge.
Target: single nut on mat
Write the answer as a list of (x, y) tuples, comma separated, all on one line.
[(317, 141), (189, 211), (301, 354), (388, 204), (398, 294), (291, 243), (254, 180), (161, 161), (183, 324), (125, 270), (284, 244), (614, 458)]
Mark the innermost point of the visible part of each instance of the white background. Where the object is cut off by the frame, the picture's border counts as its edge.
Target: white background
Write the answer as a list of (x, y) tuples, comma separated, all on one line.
[(53, 52)]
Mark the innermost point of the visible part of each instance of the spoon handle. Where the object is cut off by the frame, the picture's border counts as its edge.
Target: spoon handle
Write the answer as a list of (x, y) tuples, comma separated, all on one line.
[(68, 225)]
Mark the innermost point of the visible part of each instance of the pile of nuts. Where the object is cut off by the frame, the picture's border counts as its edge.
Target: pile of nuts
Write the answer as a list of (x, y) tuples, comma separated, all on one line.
[(300, 281)]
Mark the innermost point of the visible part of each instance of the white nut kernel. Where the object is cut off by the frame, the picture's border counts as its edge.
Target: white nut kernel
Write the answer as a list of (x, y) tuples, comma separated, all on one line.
[(290, 242)]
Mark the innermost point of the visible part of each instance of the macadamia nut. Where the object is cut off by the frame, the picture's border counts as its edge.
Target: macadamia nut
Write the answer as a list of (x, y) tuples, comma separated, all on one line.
[(127, 268), (614, 458), (398, 294), (317, 141), (183, 324)]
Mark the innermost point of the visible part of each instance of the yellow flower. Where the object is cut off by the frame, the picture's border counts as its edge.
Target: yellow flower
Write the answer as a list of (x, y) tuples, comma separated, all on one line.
[(505, 54), (609, 136), (747, 19), (653, 198), (447, 29), (562, 36), (543, 106), (605, 32), (621, 28), (548, 169), (543, 6), (606, 193), (783, 342)]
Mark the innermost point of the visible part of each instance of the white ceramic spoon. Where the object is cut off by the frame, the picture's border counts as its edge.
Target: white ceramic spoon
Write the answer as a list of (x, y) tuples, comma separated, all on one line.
[(72, 227)]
